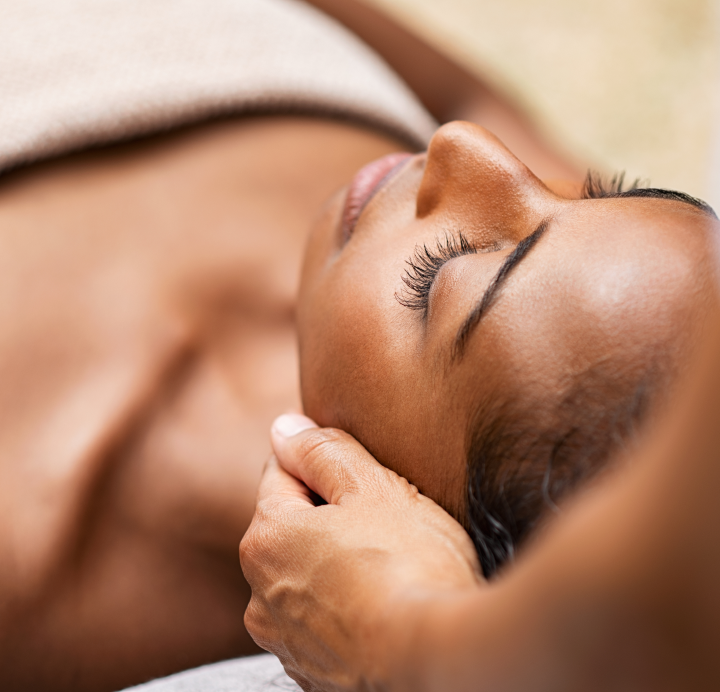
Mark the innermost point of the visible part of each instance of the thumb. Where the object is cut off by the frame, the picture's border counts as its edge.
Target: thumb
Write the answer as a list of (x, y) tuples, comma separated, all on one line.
[(330, 462)]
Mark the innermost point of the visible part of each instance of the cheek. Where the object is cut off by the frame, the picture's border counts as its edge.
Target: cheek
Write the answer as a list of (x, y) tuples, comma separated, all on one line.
[(359, 373), (345, 353), (353, 342)]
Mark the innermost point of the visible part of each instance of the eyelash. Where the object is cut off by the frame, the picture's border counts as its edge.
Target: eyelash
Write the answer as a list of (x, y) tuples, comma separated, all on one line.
[(424, 266), (598, 187)]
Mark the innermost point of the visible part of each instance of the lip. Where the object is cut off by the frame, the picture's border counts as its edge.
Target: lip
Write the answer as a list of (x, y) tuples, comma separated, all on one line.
[(366, 183)]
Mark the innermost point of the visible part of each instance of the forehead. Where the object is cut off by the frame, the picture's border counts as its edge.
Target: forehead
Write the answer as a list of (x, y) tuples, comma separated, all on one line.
[(621, 251), (609, 276)]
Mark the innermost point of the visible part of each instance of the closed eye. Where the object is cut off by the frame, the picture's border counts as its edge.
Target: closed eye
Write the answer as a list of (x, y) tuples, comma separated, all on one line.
[(423, 267)]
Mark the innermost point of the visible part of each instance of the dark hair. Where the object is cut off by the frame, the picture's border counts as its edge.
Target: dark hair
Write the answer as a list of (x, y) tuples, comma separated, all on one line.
[(525, 456)]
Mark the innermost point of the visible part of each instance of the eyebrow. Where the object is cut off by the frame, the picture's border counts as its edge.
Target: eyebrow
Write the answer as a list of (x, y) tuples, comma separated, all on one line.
[(659, 193), (491, 293)]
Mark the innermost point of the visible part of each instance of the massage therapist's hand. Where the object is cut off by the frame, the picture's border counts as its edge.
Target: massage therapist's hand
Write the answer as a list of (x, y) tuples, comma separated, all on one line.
[(337, 588)]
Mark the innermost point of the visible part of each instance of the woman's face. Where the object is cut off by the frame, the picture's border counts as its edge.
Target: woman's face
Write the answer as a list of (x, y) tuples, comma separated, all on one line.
[(403, 366)]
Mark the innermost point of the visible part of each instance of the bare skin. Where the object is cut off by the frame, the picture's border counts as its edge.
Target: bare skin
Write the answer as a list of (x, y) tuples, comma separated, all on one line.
[(148, 340), (610, 281), (156, 342), (620, 592), (379, 588)]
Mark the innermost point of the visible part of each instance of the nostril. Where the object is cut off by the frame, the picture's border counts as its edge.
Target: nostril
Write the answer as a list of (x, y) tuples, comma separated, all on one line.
[(430, 193), (447, 154)]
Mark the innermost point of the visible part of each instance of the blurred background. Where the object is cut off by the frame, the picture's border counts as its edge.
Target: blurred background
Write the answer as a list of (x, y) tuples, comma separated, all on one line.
[(628, 85)]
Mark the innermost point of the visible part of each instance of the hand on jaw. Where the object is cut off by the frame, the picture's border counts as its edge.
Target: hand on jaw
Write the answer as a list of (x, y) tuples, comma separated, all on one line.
[(331, 584)]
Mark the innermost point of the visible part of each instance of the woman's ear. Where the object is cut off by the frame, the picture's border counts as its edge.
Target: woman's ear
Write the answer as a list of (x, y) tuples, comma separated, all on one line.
[(567, 189)]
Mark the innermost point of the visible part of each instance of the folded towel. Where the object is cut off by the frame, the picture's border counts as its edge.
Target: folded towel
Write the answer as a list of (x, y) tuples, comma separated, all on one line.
[(76, 73)]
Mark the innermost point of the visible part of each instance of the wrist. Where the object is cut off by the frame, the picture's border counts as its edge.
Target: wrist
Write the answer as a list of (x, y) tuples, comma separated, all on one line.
[(419, 631)]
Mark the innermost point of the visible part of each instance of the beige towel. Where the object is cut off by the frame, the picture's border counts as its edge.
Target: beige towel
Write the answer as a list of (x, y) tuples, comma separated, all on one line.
[(75, 73)]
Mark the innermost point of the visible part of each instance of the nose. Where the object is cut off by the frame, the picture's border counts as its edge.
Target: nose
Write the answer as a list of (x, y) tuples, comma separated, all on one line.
[(471, 178)]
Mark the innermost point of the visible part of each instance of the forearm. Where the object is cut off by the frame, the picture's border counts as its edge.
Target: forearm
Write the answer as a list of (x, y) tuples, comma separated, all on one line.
[(549, 626)]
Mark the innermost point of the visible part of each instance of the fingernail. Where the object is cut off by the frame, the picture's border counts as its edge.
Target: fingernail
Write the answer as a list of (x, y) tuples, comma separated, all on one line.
[(290, 424)]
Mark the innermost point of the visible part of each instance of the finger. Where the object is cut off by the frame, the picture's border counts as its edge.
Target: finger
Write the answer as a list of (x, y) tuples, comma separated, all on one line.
[(277, 486), (281, 497), (330, 462)]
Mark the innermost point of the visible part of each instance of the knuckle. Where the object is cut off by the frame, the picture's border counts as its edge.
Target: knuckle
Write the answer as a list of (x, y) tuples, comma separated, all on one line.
[(256, 625), (247, 549), (250, 619), (254, 547), (324, 442), (264, 511), (328, 451), (390, 486)]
